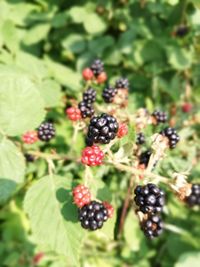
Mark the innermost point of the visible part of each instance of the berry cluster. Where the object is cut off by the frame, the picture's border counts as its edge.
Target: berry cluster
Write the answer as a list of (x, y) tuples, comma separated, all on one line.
[(144, 158), (194, 198), (122, 130), (91, 214), (81, 195), (95, 71), (109, 93), (159, 116), (122, 83), (181, 31), (46, 131), (140, 139), (92, 156), (86, 105), (152, 226), (74, 114), (150, 200), (102, 129), (30, 137), (172, 136), (29, 157)]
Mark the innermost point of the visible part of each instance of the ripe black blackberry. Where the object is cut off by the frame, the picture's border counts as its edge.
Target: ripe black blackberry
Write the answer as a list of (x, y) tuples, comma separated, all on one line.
[(181, 31), (149, 198), (160, 116), (89, 96), (140, 139), (109, 94), (93, 215), (86, 109), (144, 157), (97, 67), (194, 198), (29, 157), (46, 131), (122, 83), (102, 129), (172, 136), (152, 226)]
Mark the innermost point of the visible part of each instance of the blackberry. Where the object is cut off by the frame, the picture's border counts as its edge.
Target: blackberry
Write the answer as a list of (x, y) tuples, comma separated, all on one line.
[(89, 96), (97, 67), (122, 83), (172, 136), (29, 157), (149, 198), (140, 139), (93, 215), (109, 94), (152, 226), (86, 109), (181, 31), (194, 198), (46, 131), (160, 116), (144, 157), (102, 129)]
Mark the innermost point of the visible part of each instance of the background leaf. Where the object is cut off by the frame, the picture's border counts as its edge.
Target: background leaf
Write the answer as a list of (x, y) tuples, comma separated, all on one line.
[(12, 168), (53, 216), (21, 106)]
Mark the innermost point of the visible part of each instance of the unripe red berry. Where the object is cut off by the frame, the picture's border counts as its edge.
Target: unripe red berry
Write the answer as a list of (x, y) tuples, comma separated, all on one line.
[(186, 107), (38, 257), (30, 137), (109, 208), (81, 195), (74, 114), (87, 74), (102, 77), (92, 156), (123, 130)]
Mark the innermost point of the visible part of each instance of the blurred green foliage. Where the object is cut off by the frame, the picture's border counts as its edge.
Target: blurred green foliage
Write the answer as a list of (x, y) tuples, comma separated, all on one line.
[(50, 42)]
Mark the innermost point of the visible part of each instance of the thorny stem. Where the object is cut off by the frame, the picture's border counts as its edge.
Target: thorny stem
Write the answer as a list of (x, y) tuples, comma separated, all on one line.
[(119, 166), (135, 171)]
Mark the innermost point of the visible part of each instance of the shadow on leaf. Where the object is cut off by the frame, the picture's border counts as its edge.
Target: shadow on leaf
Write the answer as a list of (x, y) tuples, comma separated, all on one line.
[(68, 210)]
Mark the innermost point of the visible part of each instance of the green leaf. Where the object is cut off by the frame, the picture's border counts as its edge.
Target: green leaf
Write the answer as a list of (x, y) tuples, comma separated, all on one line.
[(189, 259), (94, 24), (78, 14), (64, 75), (53, 216), (36, 34), (50, 91), (12, 168), (21, 106), (37, 69), (10, 36), (132, 232), (100, 191), (100, 44), (179, 58), (75, 43)]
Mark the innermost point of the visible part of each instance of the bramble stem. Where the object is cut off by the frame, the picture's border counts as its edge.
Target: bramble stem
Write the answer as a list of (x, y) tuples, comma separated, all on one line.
[(135, 171), (126, 205), (46, 156)]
